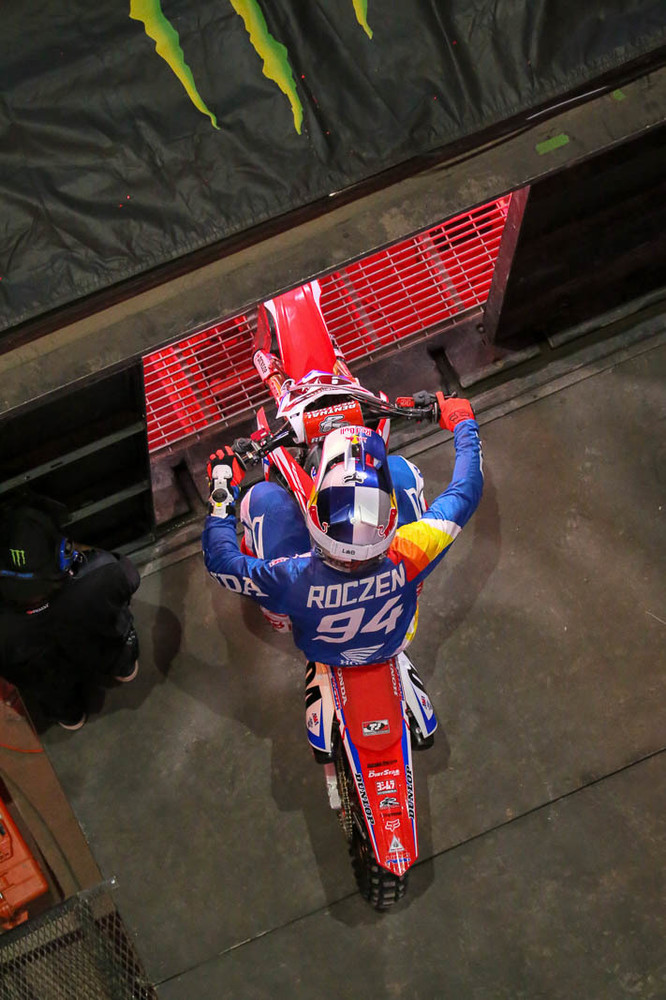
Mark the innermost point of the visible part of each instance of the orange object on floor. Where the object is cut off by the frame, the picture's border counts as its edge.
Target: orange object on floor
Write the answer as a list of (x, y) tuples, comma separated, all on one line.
[(21, 878)]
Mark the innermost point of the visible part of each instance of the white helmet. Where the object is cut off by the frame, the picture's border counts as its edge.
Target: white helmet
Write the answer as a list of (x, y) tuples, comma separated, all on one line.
[(352, 514)]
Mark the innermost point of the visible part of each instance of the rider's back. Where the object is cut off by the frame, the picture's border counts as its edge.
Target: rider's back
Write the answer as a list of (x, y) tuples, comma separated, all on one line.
[(367, 616)]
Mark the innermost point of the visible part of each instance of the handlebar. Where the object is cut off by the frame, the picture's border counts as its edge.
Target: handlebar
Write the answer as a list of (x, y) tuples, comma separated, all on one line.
[(421, 405)]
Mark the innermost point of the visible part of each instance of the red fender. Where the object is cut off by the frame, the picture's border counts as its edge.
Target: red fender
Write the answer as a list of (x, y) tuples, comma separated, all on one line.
[(375, 732)]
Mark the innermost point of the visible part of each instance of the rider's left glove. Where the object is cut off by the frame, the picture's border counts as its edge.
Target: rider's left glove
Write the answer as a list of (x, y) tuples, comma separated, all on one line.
[(225, 473), (452, 410)]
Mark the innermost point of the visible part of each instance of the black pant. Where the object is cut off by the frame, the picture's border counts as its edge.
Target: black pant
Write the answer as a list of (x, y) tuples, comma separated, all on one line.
[(54, 656)]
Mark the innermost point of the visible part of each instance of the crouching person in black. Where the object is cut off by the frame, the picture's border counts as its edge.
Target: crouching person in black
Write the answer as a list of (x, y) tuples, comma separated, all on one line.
[(65, 620)]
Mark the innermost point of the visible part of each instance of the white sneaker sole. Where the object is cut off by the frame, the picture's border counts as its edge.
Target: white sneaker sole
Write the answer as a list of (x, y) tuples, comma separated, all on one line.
[(129, 677), (74, 726)]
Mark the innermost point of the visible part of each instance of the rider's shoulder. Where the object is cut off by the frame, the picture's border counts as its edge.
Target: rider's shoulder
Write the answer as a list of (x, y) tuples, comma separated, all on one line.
[(296, 561)]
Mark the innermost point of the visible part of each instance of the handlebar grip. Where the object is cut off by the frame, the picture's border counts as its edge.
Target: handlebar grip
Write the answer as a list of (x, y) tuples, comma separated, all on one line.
[(242, 445)]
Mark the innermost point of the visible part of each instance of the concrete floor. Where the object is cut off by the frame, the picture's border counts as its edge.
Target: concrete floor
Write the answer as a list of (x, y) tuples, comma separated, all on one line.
[(542, 807)]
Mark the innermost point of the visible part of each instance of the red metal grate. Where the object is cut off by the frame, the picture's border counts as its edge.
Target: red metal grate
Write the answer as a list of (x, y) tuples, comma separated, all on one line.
[(205, 379), (370, 306)]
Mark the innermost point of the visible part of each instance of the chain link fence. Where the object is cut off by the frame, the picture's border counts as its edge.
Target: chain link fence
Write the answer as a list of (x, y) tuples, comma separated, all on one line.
[(79, 950)]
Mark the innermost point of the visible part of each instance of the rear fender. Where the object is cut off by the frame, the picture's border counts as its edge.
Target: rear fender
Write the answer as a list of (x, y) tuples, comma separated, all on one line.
[(375, 734)]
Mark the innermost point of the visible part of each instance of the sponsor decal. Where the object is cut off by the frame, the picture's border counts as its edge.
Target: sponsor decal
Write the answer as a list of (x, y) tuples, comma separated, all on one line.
[(395, 682), (395, 846), (262, 365), (389, 803), (363, 795), (392, 825), (410, 791), (385, 786), (341, 683), (373, 773), (400, 861), (356, 432), (313, 721), (318, 423), (378, 727)]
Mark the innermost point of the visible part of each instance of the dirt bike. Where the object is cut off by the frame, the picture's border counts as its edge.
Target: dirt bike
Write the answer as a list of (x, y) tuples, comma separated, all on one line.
[(362, 721)]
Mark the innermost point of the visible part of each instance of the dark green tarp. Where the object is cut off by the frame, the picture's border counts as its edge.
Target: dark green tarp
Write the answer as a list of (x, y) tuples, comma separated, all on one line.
[(137, 131)]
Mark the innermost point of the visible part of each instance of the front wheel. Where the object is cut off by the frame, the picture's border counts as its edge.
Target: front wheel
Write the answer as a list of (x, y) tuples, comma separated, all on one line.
[(380, 887)]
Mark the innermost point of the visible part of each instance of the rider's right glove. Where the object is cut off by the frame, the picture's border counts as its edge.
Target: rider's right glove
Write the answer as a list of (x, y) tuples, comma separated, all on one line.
[(225, 473), (453, 410)]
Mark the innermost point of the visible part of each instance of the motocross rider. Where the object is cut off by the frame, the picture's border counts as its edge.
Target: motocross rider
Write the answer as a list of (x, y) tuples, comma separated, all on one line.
[(347, 575)]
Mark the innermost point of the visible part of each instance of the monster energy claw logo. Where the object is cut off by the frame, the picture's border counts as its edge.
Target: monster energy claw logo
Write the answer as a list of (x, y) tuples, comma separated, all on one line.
[(17, 557), (275, 57)]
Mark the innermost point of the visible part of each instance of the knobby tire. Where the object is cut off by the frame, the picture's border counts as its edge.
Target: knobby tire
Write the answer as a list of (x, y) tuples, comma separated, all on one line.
[(378, 886)]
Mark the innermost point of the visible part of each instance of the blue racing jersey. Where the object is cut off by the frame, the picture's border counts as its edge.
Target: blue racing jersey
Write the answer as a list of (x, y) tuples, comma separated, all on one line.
[(341, 618)]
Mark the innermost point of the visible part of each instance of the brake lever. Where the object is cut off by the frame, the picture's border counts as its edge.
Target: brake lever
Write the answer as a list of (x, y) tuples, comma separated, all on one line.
[(249, 450)]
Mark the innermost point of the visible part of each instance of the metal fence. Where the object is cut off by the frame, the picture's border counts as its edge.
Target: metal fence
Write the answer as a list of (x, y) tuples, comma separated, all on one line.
[(78, 950), (375, 305)]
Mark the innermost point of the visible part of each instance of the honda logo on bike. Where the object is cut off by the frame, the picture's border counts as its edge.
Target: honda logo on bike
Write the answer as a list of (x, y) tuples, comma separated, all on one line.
[(376, 728)]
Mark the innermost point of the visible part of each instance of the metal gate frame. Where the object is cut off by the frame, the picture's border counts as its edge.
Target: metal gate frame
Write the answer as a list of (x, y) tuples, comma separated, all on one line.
[(78, 949)]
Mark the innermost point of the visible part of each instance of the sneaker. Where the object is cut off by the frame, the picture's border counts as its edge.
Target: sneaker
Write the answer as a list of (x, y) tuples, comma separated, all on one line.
[(73, 726), (131, 652)]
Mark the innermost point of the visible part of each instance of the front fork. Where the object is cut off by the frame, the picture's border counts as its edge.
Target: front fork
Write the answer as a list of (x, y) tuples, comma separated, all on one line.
[(319, 710), (319, 723)]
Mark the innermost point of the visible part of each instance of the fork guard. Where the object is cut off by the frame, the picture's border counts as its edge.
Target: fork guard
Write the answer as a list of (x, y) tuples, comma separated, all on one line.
[(319, 707), (416, 696)]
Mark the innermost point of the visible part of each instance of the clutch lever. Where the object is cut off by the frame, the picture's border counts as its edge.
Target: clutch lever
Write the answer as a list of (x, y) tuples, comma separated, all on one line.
[(253, 450)]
